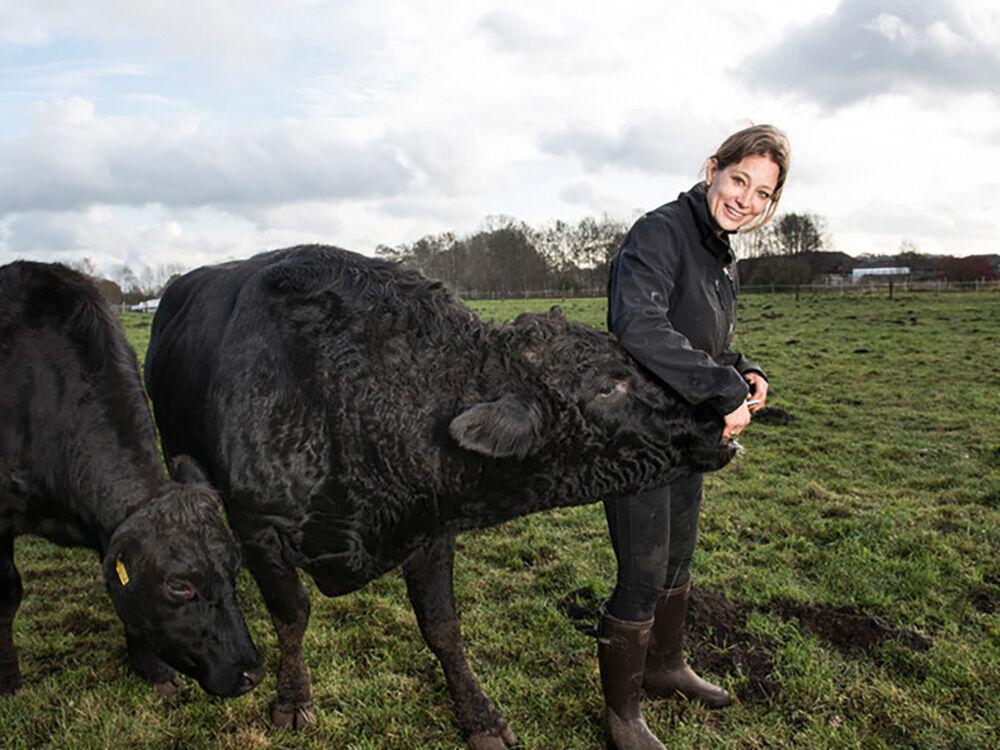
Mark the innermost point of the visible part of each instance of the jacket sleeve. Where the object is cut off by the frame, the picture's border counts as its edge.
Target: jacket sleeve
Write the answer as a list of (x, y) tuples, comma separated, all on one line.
[(642, 279), (741, 364)]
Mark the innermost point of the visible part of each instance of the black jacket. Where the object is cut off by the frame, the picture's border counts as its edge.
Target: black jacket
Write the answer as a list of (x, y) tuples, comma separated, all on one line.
[(672, 302)]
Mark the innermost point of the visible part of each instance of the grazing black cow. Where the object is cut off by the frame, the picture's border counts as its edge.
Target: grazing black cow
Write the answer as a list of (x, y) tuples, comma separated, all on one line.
[(79, 465), (355, 416)]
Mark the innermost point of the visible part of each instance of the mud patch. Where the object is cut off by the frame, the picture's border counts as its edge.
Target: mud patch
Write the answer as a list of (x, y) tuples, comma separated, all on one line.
[(719, 642), (985, 597), (849, 630), (582, 608), (773, 415)]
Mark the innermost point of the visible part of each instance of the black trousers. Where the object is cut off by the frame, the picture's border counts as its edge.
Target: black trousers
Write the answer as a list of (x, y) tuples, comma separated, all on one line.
[(653, 535)]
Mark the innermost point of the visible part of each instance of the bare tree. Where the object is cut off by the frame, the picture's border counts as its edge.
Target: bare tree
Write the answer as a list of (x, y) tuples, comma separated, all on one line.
[(756, 244), (799, 233), (126, 279)]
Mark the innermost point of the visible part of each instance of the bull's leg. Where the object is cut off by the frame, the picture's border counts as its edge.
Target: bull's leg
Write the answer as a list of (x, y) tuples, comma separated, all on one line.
[(151, 668), (10, 600), (429, 584), (288, 603)]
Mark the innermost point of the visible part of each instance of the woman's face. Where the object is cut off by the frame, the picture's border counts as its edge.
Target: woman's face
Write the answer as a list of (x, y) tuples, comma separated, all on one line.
[(741, 192)]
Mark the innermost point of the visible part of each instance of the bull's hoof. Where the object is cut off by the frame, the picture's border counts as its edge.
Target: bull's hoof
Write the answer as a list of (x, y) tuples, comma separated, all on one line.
[(293, 715), (168, 688), (485, 741)]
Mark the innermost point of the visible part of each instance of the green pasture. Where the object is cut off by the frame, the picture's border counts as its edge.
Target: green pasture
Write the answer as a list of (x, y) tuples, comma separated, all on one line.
[(848, 571)]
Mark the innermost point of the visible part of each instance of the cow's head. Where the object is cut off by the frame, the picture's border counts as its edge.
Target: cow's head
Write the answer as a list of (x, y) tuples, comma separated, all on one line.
[(171, 568), (576, 384)]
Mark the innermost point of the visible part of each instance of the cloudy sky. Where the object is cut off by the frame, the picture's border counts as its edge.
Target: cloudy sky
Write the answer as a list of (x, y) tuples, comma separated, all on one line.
[(191, 132)]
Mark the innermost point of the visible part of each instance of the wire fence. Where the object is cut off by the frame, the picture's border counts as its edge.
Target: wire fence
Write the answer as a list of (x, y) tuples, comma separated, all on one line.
[(889, 287), (867, 287)]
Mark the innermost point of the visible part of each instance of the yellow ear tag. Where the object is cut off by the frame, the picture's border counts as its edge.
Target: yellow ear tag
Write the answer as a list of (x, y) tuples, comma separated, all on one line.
[(122, 573)]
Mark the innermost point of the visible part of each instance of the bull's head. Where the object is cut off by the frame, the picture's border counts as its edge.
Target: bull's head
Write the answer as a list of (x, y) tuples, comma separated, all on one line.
[(171, 568), (579, 384)]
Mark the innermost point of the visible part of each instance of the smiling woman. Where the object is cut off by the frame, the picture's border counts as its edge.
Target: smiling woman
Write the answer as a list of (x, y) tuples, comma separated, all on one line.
[(672, 305)]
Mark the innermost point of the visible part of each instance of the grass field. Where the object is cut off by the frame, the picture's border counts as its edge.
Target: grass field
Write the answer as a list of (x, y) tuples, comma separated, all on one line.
[(848, 571)]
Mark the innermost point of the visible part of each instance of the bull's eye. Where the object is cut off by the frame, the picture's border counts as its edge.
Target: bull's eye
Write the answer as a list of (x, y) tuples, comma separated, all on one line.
[(613, 389), (180, 590)]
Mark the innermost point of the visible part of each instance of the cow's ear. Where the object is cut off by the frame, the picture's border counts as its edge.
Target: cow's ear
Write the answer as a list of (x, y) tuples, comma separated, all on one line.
[(507, 428), (118, 570)]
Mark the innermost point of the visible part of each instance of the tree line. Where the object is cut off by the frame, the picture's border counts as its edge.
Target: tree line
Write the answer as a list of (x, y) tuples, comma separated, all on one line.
[(507, 257), (124, 285)]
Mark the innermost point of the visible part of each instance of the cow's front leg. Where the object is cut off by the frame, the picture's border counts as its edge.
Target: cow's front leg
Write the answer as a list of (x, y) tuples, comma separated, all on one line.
[(10, 600), (288, 603), (151, 668), (429, 584)]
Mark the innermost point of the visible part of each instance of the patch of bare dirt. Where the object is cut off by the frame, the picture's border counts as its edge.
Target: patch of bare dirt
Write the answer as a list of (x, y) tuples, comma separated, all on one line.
[(582, 608), (850, 630), (985, 597), (773, 415), (718, 640)]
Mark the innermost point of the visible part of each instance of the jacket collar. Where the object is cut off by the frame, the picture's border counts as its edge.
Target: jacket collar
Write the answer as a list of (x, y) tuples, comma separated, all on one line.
[(714, 243)]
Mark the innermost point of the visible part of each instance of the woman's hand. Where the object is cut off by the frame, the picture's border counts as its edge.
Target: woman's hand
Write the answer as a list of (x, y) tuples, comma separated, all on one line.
[(758, 390), (736, 421)]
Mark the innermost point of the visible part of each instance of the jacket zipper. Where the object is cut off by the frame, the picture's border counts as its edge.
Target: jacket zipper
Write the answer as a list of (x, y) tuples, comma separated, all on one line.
[(729, 320)]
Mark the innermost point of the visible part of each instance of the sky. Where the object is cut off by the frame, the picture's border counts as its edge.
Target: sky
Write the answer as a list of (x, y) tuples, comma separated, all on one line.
[(188, 133)]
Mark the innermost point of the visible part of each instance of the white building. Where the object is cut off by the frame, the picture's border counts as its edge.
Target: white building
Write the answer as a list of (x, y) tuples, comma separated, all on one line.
[(859, 273), (148, 305)]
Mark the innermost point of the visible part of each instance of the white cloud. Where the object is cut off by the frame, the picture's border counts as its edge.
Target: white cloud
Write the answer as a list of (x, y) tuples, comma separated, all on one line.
[(74, 158), (865, 50), (594, 198), (649, 142), (207, 132)]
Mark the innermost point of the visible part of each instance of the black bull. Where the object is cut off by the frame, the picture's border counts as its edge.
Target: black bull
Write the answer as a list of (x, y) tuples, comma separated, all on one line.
[(79, 465), (355, 416)]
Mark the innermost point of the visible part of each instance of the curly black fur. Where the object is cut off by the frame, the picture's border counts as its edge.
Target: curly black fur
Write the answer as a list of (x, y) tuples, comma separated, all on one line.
[(79, 465), (361, 409), (355, 416)]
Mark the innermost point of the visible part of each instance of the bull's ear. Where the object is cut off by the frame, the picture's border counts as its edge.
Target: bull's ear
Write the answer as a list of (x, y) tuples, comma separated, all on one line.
[(507, 428), (118, 568)]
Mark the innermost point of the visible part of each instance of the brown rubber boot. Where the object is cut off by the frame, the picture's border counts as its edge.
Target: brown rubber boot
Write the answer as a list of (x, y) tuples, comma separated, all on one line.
[(621, 653), (666, 672)]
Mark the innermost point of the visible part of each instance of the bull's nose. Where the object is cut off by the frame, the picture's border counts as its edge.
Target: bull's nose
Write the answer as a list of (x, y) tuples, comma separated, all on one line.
[(249, 679)]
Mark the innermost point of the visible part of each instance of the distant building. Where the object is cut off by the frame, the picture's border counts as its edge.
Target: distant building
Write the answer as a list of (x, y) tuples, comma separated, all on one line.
[(148, 305), (860, 273)]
